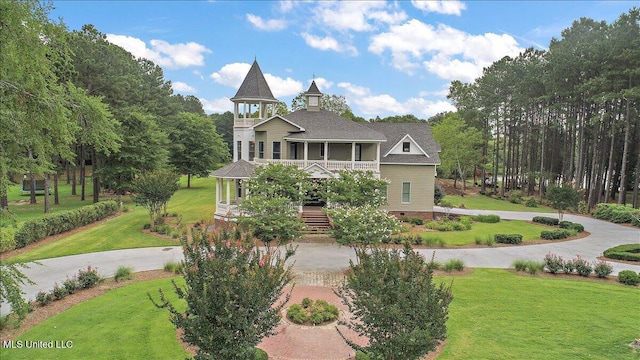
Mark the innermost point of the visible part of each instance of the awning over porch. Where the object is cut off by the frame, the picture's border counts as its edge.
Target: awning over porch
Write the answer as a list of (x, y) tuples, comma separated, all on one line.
[(240, 169)]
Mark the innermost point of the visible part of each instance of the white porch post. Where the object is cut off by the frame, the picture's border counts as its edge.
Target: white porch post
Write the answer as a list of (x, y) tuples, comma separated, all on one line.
[(353, 155), (228, 192), (378, 156), (217, 194), (326, 153), (306, 153)]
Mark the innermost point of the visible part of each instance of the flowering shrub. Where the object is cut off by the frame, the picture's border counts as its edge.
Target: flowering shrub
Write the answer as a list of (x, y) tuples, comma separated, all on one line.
[(356, 188), (583, 268), (362, 226), (554, 263), (602, 269)]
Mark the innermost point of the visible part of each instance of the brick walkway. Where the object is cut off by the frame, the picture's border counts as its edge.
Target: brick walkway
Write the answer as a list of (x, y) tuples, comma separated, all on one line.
[(296, 342)]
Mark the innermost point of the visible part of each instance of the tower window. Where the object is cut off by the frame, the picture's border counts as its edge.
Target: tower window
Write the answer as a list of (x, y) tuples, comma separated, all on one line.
[(313, 101)]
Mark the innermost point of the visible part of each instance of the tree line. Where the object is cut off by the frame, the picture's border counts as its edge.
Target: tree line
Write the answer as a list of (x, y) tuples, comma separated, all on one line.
[(565, 115), (69, 99)]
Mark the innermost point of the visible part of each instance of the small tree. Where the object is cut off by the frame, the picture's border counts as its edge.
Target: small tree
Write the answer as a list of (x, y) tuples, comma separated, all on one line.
[(232, 291), (363, 226), (152, 190), (278, 180), (562, 198), (11, 281), (356, 188), (271, 219), (395, 304)]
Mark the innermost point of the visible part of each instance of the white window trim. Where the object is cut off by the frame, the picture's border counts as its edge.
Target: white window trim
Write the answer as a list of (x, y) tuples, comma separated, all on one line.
[(402, 193)]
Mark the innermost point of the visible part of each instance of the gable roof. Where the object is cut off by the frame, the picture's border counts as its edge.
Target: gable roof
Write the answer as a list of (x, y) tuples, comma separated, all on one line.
[(300, 128), (396, 132), (326, 125), (240, 169), (399, 143), (254, 86)]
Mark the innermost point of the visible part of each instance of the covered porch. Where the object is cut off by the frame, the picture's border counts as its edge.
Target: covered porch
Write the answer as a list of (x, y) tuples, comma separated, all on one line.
[(229, 189)]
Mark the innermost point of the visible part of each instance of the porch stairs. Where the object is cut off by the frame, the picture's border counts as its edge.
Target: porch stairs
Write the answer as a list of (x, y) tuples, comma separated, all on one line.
[(315, 221)]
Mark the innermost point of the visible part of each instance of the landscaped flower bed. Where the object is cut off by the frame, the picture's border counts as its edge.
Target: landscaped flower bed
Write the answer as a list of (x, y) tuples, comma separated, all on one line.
[(311, 312)]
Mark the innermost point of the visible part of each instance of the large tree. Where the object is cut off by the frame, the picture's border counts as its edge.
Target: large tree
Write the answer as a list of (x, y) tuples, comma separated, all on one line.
[(195, 146), (224, 127), (395, 304), (232, 290), (334, 103)]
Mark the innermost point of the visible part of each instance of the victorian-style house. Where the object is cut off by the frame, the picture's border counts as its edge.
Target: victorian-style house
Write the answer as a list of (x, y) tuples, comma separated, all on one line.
[(323, 143)]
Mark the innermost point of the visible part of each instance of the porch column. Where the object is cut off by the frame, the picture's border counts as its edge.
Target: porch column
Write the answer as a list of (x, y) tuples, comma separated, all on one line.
[(326, 154), (306, 153), (378, 156), (228, 192), (217, 194), (353, 155)]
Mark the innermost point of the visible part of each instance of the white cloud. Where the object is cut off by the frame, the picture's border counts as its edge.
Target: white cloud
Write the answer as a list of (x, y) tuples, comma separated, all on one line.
[(217, 105), (233, 74), (328, 43), (447, 7), (183, 87), (357, 15), (174, 56), (383, 105), (266, 25), (442, 50)]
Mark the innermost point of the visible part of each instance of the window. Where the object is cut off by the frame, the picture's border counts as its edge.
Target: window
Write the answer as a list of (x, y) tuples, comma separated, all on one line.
[(260, 149), (293, 151), (322, 150), (239, 188), (313, 101), (239, 149), (406, 192), (358, 152), (252, 150), (276, 150), (406, 146)]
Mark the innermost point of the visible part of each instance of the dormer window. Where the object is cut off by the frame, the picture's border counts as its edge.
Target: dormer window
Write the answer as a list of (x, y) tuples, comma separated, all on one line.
[(406, 146)]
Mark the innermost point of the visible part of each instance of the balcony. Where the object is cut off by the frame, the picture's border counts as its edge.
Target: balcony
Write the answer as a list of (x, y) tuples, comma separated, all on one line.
[(333, 165)]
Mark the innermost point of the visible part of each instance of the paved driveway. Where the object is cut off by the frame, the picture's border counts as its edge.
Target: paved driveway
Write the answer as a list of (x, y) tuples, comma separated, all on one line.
[(330, 257)]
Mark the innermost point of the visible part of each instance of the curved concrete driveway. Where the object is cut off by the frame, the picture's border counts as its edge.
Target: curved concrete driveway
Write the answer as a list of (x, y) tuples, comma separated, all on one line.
[(329, 257)]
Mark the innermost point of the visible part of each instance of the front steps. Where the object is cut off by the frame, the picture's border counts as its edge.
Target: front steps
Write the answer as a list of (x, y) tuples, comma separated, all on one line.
[(316, 222)]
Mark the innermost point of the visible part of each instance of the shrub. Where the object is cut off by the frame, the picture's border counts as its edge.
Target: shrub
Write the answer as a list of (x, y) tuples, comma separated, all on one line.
[(453, 265), (38, 229), (306, 302), (545, 220), (362, 355), (260, 354), (44, 298), (530, 202), (568, 266), (315, 312), (7, 239), (59, 292), (174, 267), (629, 277), (554, 234), (123, 273), (72, 285), (628, 252), (146, 226), (583, 268), (602, 269), (416, 221), (89, 278), (433, 241), (508, 238), (515, 196), (535, 267), (554, 263), (571, 226)]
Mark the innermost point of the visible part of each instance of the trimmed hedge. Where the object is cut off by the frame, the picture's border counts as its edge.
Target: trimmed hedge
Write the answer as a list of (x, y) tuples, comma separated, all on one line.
[(629, 277), (489, 219), (628, 252), (571, 226), (508, 238), (554, 234), (38, 229), (546, 220), (618, 214)]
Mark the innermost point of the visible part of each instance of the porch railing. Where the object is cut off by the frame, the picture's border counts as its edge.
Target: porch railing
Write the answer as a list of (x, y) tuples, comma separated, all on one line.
[(333, 165)]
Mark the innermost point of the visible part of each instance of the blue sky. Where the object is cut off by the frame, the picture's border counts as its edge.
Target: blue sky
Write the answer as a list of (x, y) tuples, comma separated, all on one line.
[(385, 57)]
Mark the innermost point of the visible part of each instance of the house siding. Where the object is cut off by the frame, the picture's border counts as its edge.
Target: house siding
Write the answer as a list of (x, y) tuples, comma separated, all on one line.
[(421, 177), (274, 130)]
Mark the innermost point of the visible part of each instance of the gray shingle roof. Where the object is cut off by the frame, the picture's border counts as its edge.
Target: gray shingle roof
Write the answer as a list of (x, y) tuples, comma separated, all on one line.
[(254, 86), (240, 169), (420, 132), (326, 125), (313, 89)]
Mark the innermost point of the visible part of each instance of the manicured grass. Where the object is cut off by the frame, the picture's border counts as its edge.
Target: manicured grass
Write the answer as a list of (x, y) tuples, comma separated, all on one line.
[(499, 315), (122, 324), (529, 231), (481, 202), (495, 314), (125, 231)]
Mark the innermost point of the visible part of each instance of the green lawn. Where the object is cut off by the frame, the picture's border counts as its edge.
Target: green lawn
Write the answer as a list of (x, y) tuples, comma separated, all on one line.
[(481, 202), (495, 314), (122, 324), (529, 231), (125, 231), (498, 315)]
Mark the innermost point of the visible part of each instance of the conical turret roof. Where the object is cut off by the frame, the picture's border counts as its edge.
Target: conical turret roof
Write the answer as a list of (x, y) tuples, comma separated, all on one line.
[(254, 86), (313, 89)]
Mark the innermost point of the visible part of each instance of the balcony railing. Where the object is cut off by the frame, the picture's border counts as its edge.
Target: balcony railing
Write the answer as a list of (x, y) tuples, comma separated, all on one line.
[(333, 165), (246, 122)]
